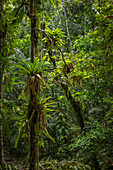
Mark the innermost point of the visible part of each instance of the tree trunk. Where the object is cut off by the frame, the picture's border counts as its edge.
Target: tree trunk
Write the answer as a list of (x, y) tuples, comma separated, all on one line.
[(75, 105), (1, 75), (32, 108)]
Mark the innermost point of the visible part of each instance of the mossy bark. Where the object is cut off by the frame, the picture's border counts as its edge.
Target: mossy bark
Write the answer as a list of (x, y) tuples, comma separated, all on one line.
[(33, 113), (75, 104), (1, 75)]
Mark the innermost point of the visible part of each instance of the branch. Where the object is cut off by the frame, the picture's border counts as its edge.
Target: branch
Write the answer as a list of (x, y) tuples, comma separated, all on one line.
[(75, 104), (51, 41), (46, 35), (21, 5), (62, 56)]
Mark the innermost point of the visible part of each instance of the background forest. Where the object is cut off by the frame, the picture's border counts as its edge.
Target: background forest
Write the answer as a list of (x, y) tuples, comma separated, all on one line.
[(56, 84)]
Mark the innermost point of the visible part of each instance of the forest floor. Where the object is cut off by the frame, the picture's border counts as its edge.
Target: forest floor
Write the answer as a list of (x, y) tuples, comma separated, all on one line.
[(17, 164)]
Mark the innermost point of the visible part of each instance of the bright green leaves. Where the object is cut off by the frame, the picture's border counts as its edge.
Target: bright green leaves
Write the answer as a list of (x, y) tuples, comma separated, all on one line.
[(54, 37), (6, 23), (21, 126), (31, 68), (52, 1), (3, 22)]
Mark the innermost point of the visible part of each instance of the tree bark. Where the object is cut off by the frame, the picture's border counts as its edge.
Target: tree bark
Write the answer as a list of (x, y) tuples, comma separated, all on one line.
[(32, 108), (1, 75), (74, 104)]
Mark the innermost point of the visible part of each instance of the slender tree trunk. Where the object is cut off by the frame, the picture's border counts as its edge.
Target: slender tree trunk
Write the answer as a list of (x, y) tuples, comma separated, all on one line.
[(1, 132), (75, 105), (1, 75), (32, 136), (32, 109), (67, 27)]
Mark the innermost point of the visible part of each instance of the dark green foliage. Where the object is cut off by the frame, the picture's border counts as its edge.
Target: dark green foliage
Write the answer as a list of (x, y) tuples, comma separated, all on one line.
[(64, 165), (77, 83), (97, 143)]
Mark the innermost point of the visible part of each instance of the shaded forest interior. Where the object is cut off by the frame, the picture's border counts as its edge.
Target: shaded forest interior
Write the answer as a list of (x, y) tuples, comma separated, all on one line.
[(56, 84)]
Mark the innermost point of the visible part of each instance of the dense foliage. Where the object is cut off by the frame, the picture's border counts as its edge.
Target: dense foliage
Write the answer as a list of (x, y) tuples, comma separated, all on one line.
[(69, 82)]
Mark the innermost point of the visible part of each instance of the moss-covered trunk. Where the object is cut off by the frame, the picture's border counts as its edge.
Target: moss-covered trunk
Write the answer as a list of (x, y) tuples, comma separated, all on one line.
[(32, 108), (1, 75), (75, 104)]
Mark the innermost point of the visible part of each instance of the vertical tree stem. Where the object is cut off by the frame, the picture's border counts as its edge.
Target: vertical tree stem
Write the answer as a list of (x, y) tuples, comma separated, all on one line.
[(32, 111), (32, 31), (1, 75), (67, 26)]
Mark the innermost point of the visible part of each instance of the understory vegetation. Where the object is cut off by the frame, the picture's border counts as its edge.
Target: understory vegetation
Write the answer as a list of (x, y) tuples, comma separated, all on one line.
[(56, 84)]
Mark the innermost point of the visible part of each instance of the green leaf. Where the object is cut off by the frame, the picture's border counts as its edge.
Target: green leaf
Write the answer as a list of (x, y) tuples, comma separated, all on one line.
[(10, 22), (4, 18), (23, 68), (43, 101), (45, 132), (53, 3), (60, 97), (19, 135), (16, 83), (36, 60), (27, 64), (50, 110), (35, 69), (49, 116), (32, 67), (1, 27), (20, 16)]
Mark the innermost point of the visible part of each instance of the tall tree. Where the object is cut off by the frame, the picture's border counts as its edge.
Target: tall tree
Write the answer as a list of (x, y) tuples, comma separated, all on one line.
[(33, 109), (1, 76)]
